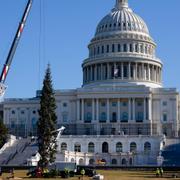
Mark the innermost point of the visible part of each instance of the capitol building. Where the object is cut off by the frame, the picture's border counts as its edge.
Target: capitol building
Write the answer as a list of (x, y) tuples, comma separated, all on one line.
[(122, 115)]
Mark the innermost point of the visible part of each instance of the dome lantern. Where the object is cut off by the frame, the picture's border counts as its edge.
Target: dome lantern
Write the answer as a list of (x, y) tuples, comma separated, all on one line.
[(120, 4)]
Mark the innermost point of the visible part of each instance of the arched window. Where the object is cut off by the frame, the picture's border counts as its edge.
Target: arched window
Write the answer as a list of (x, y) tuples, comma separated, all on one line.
[(124, 162), (91, 147), (81, 161), (114, 162), (91, 161), (119, 147), (147, 146), (133, 147), (63, 146), (77, 147), (105, 148)]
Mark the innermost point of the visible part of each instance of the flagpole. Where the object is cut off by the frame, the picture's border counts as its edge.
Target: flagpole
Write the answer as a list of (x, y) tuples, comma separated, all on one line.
[(115, 74)]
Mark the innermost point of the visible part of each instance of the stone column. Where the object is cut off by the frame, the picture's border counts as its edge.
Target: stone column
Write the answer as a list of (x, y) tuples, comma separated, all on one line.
[(108, 71), (101, 71), (82, 109), (136, 71), (119, 111), (78, 109), (143, 74), (93, 110), (108, 113), (91, 73), (153, 73), (114, 69), (129, 70), (83, 76), (149, 72), (128, 47), (134, 109), (129, 108), (122, 70), (95, 72), (144, 109), (88, 74), (97, 109), (150, 114), (158, 75)]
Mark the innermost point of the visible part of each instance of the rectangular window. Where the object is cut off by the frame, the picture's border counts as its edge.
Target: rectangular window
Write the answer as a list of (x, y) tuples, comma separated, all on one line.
[(119, 48), (103, 104), (165, 117), (107, 48), (164, 103), (124, 104), (102, 50), (12, 124), (65, 117), (113, 48), (114, 104), (88, 104), (98, 50)]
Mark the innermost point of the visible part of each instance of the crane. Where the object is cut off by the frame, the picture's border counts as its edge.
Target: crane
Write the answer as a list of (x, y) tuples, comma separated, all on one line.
[(13, 48)]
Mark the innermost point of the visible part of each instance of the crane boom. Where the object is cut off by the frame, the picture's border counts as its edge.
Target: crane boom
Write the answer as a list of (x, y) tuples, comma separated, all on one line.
[(13, 47)]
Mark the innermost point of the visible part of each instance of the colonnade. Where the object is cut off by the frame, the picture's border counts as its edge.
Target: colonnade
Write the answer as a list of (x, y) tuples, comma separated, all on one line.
[(95, 105), (122, 70)]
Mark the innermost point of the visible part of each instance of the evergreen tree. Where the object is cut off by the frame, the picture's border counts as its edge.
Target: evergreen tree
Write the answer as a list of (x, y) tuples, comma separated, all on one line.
[(47, 122), (3, 133)]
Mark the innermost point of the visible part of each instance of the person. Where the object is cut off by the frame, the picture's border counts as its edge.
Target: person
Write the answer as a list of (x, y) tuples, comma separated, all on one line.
[(82, 173), (157, 172), (12, 173), (161, 172), (38, 172)]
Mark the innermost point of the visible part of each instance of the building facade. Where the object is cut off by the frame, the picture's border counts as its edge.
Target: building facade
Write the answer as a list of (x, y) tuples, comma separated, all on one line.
[(122, 114)]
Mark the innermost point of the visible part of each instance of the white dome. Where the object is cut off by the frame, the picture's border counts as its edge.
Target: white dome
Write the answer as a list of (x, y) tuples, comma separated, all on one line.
[(122, 52), (121, 19)]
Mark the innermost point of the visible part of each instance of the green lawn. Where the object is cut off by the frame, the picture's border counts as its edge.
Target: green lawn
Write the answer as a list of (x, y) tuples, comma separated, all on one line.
[(108, 174)]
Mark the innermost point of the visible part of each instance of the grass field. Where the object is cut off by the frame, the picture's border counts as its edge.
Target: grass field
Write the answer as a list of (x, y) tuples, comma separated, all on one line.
[(108, 174)]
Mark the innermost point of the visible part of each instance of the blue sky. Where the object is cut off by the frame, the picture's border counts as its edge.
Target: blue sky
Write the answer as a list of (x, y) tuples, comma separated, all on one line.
[(67, 27)]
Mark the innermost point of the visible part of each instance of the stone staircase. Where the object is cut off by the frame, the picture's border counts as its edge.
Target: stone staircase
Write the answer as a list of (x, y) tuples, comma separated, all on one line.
[(18, 153)]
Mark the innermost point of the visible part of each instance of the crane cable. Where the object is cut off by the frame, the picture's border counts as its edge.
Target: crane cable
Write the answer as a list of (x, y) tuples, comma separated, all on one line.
[(39, 48), (41, 43)]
